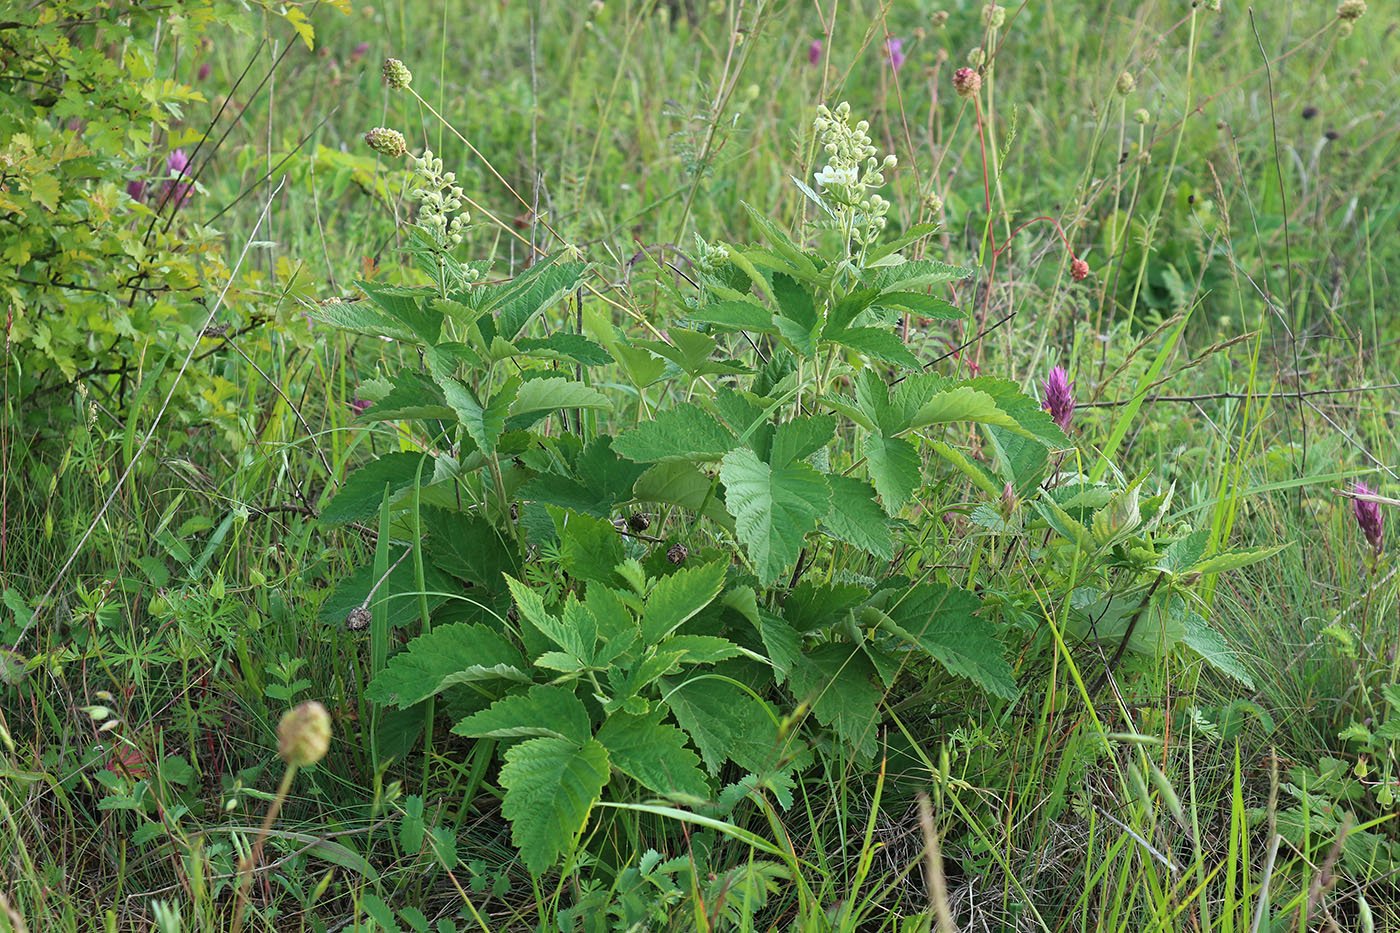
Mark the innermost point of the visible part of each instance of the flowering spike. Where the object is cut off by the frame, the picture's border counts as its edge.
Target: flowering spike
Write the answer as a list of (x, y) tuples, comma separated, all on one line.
[(1368, 516), (1059, 397), (387, 142), (396, 74)]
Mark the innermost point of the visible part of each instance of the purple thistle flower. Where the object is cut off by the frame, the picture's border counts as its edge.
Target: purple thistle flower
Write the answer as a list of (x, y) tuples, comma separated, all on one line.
[(814, 52), (1368, 516), (360, 405), (894, 51), (174, 190), (1059, 397)]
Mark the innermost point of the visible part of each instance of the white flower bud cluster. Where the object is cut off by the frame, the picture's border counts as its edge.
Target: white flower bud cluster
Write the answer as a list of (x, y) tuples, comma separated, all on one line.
[(853, 170), (441, 199)]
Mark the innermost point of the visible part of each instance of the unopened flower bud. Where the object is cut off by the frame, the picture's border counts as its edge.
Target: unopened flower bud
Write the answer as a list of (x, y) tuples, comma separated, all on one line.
[(304, 734), (1079, 270), (396, 74), (1141, 115), (977, 57), (387, 142), (1126, 83), (993, 16), (938, 19)]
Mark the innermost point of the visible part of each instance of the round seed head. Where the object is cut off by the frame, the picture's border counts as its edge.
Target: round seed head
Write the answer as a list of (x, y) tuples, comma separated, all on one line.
[(966, 82), (1351, 10), (1079, 270), (1126, 83), (677, 553)]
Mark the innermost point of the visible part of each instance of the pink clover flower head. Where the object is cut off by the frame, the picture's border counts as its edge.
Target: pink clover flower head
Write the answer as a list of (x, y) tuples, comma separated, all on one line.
[(1079, 270), (1368, 516), (814, 52), (359, 51), (1058, 398), (175, 189), (894, 51), (360, 405), (204, 70)]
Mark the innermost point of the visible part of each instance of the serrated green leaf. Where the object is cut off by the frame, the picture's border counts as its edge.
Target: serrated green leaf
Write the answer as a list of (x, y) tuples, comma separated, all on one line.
[(735, 315), (1235, 559), (684, 485), (943, 622), (449, 654), (555, 392), (856, 518), (797, 318), (702, 649), (877, 343), (360, 495), (921, 305), (918, 273), (678, 597), (686, 432), (726, 724), (409, 308), (484, 423), (543, 710), (360, 317), (411, 396), (773, 510), (893, 465), (838, 680), (589, 548), (1211, 646), (551, 786), (799, 438), (532, 291), (532, 610), (653, 754), (563, 346)]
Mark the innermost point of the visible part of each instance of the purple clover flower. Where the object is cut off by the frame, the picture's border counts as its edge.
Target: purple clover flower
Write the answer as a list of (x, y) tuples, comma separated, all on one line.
[(894, 51), (1368, 516), (359, 52), (204, 70), (174, 190), (1058, 397), (814, 52), (136, 189)]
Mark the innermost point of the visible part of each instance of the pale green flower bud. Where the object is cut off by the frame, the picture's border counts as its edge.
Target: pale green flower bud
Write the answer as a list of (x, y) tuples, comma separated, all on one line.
[(304, 734), (1126, 83)]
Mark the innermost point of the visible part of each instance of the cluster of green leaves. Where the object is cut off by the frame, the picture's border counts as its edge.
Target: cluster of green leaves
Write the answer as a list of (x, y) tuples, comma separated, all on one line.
[(580, 598), (106, 271)]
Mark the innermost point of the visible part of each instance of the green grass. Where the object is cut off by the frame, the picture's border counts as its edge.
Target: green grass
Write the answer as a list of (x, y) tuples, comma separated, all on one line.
[(193, 613)]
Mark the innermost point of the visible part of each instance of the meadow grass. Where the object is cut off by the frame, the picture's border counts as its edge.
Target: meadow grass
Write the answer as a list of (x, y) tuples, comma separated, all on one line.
[(1247, 359)]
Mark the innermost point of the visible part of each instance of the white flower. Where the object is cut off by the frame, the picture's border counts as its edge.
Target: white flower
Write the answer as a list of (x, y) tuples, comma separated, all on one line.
[(834, 175)]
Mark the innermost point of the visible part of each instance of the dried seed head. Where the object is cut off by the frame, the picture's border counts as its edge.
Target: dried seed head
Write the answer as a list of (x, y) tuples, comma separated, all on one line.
[(1351, 10), (396, 74), (304, 734), (638, 521), (1126, 83), (358, 620), (677, 553), (387, 142), (966, 82)]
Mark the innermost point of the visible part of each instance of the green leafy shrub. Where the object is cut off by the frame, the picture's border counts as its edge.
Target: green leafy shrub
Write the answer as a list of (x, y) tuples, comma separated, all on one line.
[(686, 582), (108, 268)]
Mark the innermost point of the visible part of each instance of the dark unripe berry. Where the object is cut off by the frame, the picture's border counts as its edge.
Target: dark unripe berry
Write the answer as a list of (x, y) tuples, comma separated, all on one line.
[(677, 553)]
